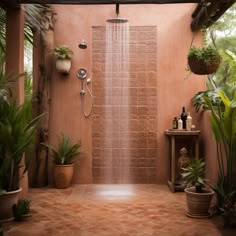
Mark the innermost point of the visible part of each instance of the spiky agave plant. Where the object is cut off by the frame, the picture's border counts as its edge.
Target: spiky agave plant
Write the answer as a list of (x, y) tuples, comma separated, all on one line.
[(66, 153)]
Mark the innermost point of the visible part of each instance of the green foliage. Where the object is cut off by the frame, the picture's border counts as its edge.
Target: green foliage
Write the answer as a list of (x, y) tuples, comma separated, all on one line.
[(63, 52), (227, 43), (66, 153), (227, 73), (16, 133), (34, 15), (229, 210), (222, 104), (21, 208), (209, 54), (193, 174), (226, 24)]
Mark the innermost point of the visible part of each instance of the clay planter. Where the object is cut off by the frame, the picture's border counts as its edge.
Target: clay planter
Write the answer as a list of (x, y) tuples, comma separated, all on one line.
[(198, 203), (7, 200), (63, 66), (62, 175)]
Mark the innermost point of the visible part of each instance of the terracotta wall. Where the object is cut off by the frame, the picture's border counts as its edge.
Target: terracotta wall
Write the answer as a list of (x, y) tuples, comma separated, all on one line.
[(173, 37)]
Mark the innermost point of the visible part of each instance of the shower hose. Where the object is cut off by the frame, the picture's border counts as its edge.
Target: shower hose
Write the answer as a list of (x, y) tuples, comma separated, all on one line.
[(82, 96)]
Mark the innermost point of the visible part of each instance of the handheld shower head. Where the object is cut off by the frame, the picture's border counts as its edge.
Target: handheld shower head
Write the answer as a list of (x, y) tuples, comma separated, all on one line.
[(88, 80)]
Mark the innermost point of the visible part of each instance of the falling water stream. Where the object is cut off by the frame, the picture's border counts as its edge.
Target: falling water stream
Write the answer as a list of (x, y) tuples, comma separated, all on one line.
[(116, 158)]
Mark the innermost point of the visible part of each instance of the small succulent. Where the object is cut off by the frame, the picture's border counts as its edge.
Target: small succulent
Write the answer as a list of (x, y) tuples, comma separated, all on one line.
[(21, 208)]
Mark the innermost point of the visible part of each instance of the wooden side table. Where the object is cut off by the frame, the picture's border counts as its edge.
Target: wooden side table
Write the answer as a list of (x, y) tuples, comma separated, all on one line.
[(173, 136)]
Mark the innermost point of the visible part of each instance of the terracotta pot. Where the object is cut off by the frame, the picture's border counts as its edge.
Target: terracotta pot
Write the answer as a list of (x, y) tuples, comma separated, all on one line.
[(7, 200), (198, 203), (63, 175), (63, 66)]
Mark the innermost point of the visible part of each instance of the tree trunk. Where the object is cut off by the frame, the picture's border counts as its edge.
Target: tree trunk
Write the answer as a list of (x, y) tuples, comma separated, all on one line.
[(42, 74)]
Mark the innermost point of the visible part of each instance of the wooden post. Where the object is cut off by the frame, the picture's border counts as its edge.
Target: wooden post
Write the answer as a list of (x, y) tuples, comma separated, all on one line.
[(15, 63), (42, 64)]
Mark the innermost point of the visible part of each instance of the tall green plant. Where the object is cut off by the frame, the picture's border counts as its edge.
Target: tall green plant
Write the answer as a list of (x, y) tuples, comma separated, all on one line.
[(34, 15), (222, 104), (16, 133)]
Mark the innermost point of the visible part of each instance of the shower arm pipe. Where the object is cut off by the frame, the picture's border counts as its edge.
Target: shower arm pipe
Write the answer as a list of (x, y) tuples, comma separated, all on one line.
[(98, 2), (117, 9), (82, 93)]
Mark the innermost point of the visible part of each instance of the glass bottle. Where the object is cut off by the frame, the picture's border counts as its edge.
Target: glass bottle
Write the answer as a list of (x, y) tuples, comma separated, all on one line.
[(180, 124), (175, 123), (189, 122), (183, 117)]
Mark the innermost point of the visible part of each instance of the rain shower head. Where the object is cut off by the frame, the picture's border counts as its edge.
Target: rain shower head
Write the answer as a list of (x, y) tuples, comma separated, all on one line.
[(117, 19)]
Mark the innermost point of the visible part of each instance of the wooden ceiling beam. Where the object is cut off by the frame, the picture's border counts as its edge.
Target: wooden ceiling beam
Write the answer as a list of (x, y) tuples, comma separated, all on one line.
[(98, 2), (9, 3)]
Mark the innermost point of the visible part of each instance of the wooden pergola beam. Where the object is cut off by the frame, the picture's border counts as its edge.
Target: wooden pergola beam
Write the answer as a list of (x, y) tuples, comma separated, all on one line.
[(9, 4), (205, 13), (208, 12), (98, 2)]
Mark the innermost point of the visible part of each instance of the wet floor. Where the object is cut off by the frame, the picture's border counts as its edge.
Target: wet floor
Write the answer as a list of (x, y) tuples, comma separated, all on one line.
[(112, 210)]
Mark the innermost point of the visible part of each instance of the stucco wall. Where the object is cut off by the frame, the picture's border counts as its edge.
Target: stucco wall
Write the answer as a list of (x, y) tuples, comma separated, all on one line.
[(75, 23)]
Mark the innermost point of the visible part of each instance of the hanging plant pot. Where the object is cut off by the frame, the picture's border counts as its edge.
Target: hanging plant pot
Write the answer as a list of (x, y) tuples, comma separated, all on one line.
[(203, 61), (63, 66), (63, 59)]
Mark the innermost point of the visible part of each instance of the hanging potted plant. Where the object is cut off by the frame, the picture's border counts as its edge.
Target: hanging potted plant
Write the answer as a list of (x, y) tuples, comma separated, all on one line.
[(63, 59), (203, 61), (197, 195), (63, 158)]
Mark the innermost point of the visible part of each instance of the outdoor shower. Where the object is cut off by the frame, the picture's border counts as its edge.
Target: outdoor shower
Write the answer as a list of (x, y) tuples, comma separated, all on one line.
[(117, 19), (82, 75)]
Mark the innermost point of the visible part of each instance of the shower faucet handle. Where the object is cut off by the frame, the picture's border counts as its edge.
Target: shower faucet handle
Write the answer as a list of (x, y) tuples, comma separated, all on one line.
[(82, 73)]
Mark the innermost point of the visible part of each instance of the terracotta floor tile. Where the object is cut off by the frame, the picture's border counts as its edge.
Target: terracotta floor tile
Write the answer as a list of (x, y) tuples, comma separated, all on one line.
[(112, 210)]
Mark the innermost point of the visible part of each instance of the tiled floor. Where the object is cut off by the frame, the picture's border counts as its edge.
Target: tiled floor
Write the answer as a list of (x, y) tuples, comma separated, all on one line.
[(112, 210)]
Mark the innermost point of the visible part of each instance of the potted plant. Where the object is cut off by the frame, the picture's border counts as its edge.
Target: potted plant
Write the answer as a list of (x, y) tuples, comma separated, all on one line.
[(221, 103), (16, 133), (21, 209), (197, 195), (203, 61), (63, 58), (63, 158)]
